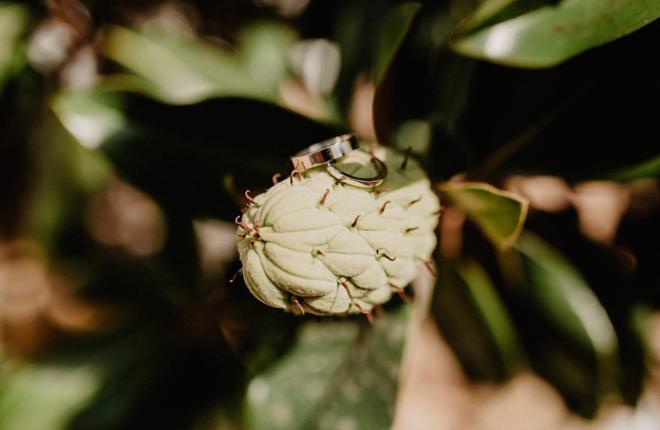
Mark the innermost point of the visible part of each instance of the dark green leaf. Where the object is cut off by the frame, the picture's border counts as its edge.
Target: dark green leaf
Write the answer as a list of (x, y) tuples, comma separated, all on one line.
[(395, 26), (500, 214), (337, 374), (646, 169), (13, 22), (565, 296), (199, 159), (475, 322), (570, 337), (552, 34)]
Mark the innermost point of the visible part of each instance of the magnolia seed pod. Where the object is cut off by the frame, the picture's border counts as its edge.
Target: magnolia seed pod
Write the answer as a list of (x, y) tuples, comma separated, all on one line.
[(312, 243)]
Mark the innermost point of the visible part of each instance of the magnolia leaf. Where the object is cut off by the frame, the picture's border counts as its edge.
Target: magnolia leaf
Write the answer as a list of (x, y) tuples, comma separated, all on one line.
[(564, 295), (475, 321), (339, 374), (182, 69), (499, 214), (549, 35), (59, 391), (395, 26), (13, 22), (568, 334), (646, 169)]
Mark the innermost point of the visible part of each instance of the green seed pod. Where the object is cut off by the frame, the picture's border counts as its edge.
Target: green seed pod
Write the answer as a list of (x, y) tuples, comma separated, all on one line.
[(312, 243)]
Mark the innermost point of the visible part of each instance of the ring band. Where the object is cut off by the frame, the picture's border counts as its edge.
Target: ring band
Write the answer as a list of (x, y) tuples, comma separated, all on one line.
[(325, 152), (381, 173)]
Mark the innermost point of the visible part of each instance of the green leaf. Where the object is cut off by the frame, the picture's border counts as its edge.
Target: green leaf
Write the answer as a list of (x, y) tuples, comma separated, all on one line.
[(13, 22), (563, 295), (182, 69), (67, 175), (475, 321), (490, 12), (499, 214), (552, 34), (338, 374), (53, 393), (198, 159), (57, 393), (453, 87), (395, 26), (570, 338), (646, 169)]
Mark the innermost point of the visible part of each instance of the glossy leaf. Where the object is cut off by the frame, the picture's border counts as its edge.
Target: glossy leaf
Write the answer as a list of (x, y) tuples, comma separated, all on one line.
[(199, 159), (395, 26), (562, 292), (552, 34), (570, 337), (647, 169), (499, 214), (337, 374), (475, 321)]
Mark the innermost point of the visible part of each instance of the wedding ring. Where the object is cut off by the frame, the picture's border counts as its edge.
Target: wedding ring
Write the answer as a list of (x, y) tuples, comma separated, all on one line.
[(324, 152), (329, 151), (347, 178)]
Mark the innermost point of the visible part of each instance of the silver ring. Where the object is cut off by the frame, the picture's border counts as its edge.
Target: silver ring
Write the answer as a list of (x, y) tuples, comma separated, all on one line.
[(324, 152), (381, 173)]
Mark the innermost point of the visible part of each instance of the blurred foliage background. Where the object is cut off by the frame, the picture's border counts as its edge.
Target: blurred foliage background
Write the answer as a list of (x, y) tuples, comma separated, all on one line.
[(129, 131)]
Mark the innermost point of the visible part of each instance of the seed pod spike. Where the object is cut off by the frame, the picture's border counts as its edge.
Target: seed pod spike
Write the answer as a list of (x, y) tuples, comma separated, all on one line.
[(340, 180), (401, 292), (241, 224), (348, 290), (235, 275), (381, 253), (406, 156), (382, 209), (325, 196), (300, 307), (369, 315), (417, 200), (429, 265), (249, 198), (297, 171)]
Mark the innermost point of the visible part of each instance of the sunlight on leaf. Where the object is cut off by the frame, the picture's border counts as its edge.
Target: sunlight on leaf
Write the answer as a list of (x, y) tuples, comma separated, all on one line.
[(182, 69), (500, 214), (580, 351), (563, 293), (493, 311), (45, 397), (552, 34)]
